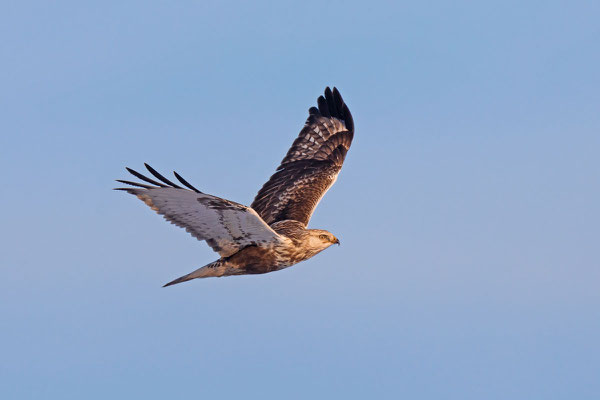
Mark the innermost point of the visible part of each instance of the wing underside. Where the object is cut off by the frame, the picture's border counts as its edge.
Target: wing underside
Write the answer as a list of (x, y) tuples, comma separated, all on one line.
[(226, 226)]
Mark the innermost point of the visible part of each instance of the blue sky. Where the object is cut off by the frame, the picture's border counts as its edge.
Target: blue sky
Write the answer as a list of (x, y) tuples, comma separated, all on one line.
[(467, 208)]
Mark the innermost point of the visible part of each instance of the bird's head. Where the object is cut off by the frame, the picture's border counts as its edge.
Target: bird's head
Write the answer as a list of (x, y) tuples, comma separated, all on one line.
[(320, 239)]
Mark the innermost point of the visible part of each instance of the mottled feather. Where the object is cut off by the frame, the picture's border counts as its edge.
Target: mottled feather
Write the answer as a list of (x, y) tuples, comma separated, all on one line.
[(226, 226), (311, 165)]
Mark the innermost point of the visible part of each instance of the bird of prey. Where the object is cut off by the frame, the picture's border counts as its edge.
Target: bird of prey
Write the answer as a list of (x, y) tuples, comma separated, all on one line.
[(272, 233)]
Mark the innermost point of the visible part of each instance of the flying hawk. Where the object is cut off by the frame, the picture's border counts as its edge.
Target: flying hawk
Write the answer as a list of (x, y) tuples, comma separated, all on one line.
[(271, 234)]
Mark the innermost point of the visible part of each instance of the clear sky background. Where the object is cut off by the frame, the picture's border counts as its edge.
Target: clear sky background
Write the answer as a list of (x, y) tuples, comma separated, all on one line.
[(468, 208)]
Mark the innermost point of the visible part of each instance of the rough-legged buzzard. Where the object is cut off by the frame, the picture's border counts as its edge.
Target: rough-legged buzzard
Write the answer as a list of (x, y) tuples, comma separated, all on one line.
[(271, 234)]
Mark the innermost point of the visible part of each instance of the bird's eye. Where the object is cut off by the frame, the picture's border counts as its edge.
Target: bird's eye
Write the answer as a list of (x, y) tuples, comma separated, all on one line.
[(324, 237)]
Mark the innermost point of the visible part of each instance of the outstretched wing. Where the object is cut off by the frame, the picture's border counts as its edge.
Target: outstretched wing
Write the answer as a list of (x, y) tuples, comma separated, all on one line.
[(312, 164), (226, 226)]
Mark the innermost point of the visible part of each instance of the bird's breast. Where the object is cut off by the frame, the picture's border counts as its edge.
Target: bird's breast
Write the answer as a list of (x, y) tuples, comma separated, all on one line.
[(294, 253)]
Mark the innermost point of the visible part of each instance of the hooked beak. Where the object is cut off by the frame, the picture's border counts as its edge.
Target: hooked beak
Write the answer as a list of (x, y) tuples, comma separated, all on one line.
[(337, 241)]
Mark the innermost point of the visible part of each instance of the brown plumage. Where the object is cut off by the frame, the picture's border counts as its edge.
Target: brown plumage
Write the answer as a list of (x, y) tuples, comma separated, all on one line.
[(271, 234)]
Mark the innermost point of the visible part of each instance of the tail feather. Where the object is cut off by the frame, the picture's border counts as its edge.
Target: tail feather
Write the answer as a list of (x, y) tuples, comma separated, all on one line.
[(214, 269)]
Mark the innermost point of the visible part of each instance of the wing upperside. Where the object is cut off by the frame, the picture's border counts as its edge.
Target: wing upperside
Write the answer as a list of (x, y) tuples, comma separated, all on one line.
[(312, 163)]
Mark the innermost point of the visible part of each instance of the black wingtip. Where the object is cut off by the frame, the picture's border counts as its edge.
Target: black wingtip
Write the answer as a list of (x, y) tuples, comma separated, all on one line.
[(144, 178), (348, 120), (128, 190), (331, 104), (164, 182), (134, 184), (338, 101), (323, 109), (185, 183), (158, 176)]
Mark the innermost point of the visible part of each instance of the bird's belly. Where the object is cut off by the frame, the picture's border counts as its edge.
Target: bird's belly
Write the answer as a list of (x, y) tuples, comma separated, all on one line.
[(261, 260)]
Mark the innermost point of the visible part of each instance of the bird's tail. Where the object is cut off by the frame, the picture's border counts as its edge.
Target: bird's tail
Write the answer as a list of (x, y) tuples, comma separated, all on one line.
[(217, 268)]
